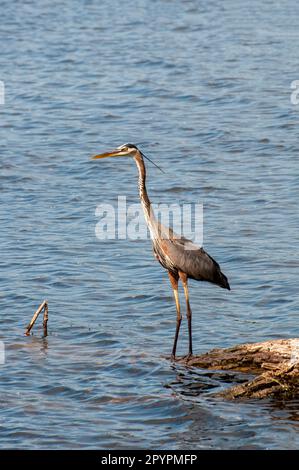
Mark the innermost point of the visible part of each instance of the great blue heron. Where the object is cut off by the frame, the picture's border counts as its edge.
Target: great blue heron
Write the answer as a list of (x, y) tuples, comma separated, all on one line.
[(179, 256)]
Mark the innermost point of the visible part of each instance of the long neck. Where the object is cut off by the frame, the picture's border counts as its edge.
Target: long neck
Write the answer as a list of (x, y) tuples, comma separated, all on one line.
[(145, 202)]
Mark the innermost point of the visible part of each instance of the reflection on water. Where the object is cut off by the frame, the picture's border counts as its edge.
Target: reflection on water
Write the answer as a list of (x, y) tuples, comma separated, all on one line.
[(205, 89), (192, 382)]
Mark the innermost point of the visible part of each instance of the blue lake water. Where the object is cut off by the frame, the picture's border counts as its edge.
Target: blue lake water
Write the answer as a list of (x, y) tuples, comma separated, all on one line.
[(204, 87)]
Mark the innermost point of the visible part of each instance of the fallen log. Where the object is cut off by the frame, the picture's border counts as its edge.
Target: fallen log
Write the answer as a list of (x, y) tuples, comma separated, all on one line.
[(274, 363)]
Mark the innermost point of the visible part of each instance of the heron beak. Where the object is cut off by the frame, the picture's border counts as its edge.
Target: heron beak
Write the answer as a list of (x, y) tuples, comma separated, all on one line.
[(114, 153)]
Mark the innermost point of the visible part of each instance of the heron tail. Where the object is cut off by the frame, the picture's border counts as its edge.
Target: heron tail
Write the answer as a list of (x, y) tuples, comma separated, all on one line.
[(223, 281)]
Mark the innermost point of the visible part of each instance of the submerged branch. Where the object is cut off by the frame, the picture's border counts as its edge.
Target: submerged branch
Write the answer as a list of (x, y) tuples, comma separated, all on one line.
[(43, 306)]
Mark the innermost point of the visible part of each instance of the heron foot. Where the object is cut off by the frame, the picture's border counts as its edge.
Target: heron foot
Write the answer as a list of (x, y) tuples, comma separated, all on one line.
[(188, 357)]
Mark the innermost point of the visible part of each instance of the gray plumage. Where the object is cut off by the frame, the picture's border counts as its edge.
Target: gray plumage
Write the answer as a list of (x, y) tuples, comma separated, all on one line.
[(180, 254)]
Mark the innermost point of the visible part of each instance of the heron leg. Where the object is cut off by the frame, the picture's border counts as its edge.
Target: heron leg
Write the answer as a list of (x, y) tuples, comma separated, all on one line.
[(184, 279), (174, 279)]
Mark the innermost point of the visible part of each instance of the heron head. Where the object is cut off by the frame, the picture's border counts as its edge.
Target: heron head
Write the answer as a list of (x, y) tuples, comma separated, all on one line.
[(125, 150)]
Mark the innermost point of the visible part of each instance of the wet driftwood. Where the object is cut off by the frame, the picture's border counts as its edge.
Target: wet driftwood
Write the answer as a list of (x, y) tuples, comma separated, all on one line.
[(274, 364), (43, 307)]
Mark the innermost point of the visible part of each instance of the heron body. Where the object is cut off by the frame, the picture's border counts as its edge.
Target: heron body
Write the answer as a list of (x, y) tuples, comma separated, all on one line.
[(179, 256)]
